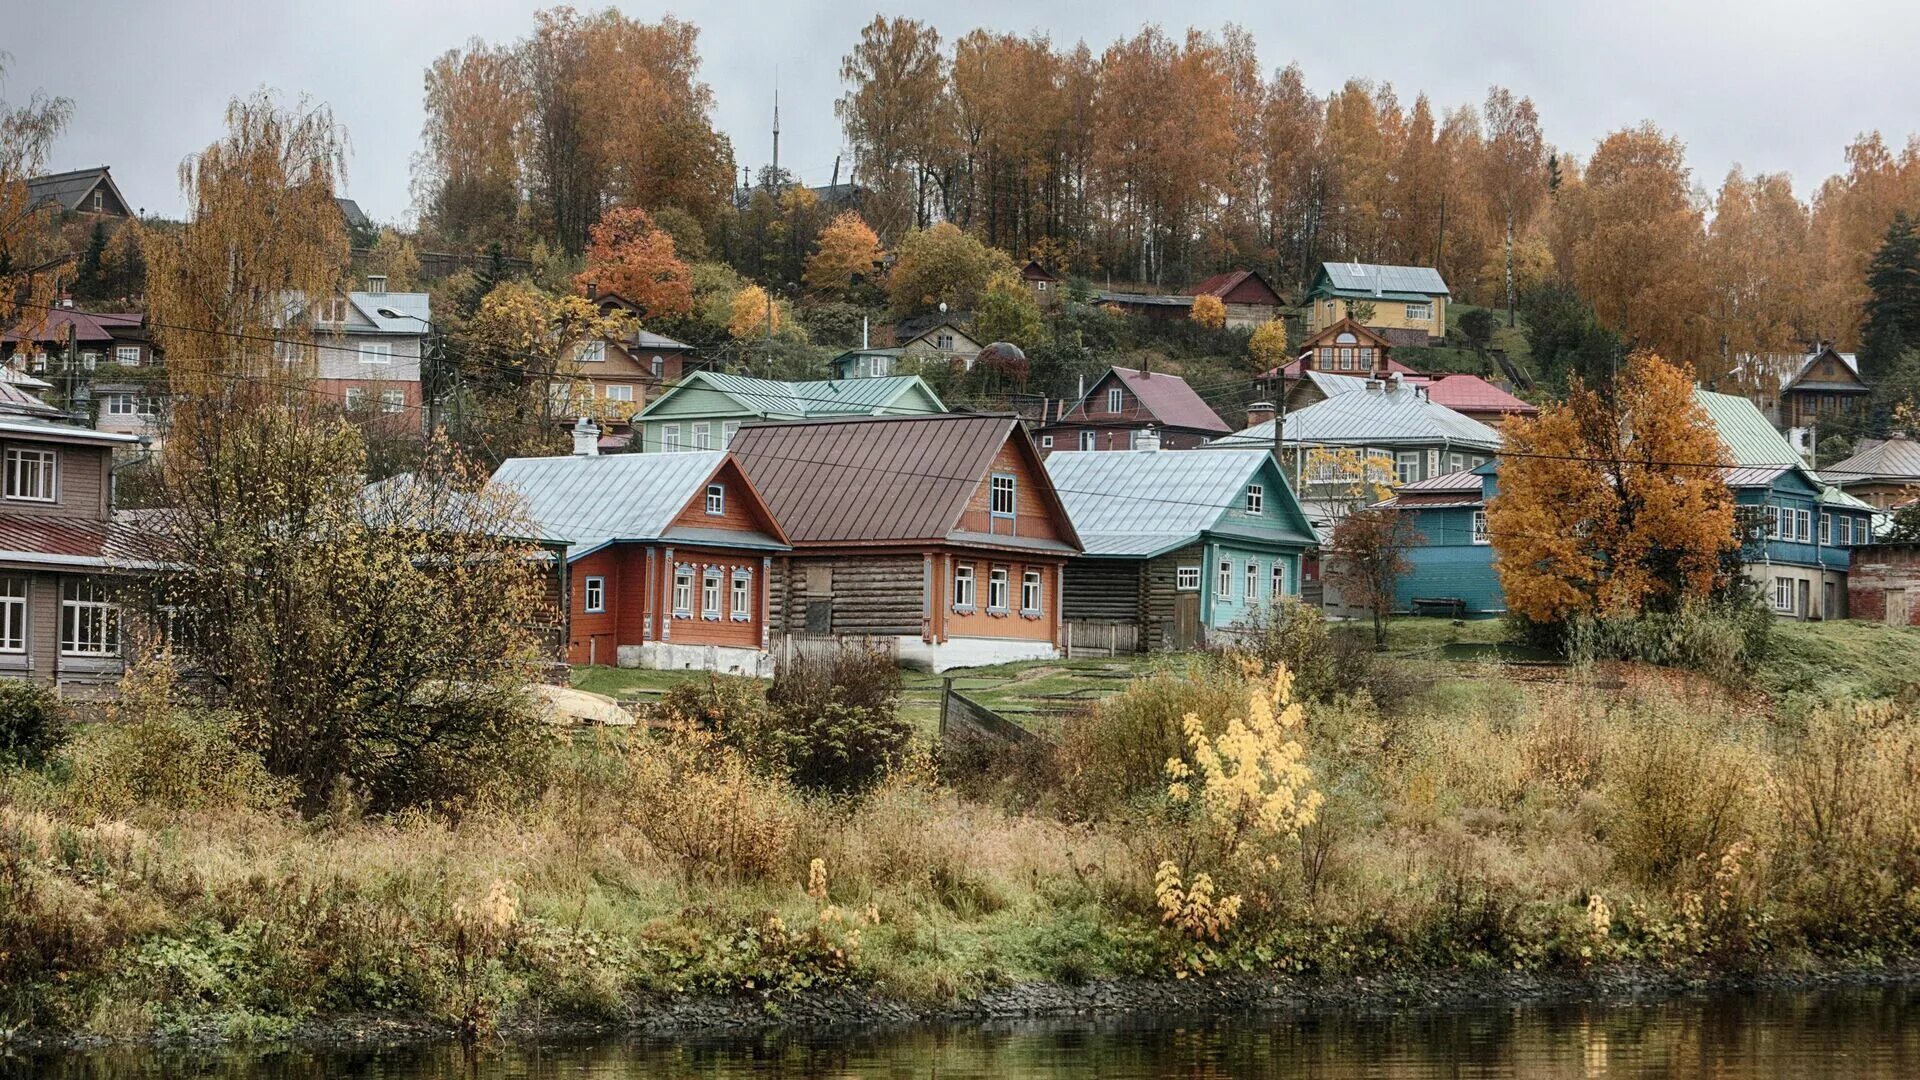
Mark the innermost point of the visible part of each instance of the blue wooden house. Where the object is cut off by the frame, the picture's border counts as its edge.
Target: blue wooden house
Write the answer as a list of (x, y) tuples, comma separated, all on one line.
[(1798, 530), (1179, 545)]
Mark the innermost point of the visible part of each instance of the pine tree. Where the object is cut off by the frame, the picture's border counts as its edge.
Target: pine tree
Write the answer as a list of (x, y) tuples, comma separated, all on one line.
[(90, 278), (485, 277), (1893, 302)]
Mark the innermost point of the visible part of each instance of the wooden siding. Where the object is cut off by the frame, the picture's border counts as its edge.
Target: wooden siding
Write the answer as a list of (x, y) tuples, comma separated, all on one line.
[(1034, 515), (80, 481), (1012, 623), (1119, 437), (879, 595), (1106, 590), (697, 629), (1161, 587), (740, 511), (593, 637)]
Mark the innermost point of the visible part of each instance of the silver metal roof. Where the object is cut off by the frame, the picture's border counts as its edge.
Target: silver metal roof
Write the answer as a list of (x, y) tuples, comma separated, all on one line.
[(1386, 417), (595, 500), (1375, 278), (803, 400), (1143, 502)]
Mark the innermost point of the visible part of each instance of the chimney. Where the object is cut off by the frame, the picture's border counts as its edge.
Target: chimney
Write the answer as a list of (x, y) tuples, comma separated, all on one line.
[(1392, 382), (593, 290), (1259, 413), (377, 284), (1146, 439), (1376, 386), (586, 438)]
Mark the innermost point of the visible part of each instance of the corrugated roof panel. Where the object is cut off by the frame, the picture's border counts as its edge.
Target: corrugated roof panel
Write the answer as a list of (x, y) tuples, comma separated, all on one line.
[(1373, 277), (1373, 418), (818, 397), (592, 500)]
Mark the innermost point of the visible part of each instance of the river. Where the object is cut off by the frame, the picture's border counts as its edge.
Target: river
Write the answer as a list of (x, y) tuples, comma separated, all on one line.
[(1828, 1034)]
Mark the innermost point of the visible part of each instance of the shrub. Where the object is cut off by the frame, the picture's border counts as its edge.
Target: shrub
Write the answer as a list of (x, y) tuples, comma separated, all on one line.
[(32, 722), (700, 804), (836, 725), (178, 761), (1680, 794), (1117, 749), (1724, 639)]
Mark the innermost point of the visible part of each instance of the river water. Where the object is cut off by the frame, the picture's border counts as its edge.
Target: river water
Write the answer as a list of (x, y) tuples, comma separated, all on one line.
[(1830, 1035)]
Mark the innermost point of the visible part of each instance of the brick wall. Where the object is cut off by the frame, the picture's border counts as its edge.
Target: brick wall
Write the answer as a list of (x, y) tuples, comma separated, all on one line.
[(1884, 574)]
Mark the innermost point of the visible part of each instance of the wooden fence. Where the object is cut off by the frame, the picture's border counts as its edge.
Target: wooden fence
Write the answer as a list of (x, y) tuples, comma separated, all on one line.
[(1086, 637), (816, 646), (963, 719)]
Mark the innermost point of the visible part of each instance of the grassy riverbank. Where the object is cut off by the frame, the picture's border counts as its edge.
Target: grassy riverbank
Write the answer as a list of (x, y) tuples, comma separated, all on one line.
[(1484, 817)]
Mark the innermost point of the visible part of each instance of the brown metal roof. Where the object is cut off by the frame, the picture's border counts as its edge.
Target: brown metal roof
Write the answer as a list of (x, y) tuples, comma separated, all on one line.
[(875, 479)]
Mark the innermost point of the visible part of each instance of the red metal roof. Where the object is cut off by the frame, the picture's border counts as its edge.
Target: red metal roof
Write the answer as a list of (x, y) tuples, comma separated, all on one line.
[(88, 326), (1252, 287), (80, 542), (1471, 393), (1167, 398)]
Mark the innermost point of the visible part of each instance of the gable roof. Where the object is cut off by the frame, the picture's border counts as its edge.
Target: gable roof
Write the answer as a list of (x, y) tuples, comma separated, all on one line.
[(1385, 417), (1365, 280), (1033, 271), (1750, 440), (70, 189), (1879, 459), (908, 331), (1853, 384), (1464, 392), (599, 499), (1221, 284), (778, 400), (350, 211), (1143, 503), (880, 479), (1167, 398), (89, 326)]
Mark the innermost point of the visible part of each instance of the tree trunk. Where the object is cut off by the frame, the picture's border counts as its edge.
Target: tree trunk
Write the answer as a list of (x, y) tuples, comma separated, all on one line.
[(1510, 315)]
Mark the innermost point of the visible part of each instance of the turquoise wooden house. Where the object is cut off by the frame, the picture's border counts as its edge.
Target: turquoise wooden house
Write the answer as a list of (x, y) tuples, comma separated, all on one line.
[(1179, 544), (1797, 530), (706, 409)]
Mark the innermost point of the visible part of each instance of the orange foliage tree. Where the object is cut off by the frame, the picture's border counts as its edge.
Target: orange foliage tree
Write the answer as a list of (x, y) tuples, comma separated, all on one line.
[(634, 257), (848, 250), (1613, 502), (1209, 311)]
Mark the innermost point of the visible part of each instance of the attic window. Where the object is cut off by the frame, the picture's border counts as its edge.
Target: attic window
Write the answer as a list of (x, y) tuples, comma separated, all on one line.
[(1256, 498), (99, 199), (716, 498), (1116, 399), (1001, 504)]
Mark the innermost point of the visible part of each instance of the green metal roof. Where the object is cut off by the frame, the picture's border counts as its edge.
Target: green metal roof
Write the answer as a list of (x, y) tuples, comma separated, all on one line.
[(814, 398), (1745, 432)]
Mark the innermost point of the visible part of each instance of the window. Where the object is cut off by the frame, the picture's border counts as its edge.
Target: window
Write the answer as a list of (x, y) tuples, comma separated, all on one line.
[(1773, 521), (120, 405), (1000, 503), (1046, 442), (1039, 286), (716, 498), (393, 401), (356, 396), (1826, 528), (997, 588), (1845, 537), (30, 474), (90, 359), (1187, 579), (1346, 359), (594, 594), (658, 365), (376, 352), (334, 310), (619, 393), (1406, 466), (89, 621), (99, 199), (670, 438), (1253, 580), (703, 436), (1783, 594), (1256, 498), (592, 352), (963, 587), (1116, 399), (13, 614), (1279, 585), (1455, 462), (943, 341), (683, 592), (1086, 440), (1420, 312), (1226, 580), (728, 430), (1433, 463), (1366, 358), (127, 354), (1480, 527), (740, 602), (1803, 525), (1030, 598), (710, 593)]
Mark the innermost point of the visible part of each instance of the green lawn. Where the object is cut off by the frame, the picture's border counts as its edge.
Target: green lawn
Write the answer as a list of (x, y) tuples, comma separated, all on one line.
[(1841, 658)]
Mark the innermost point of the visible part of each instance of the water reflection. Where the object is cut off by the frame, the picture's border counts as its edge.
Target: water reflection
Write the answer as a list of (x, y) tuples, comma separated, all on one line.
[(1851, 1033)]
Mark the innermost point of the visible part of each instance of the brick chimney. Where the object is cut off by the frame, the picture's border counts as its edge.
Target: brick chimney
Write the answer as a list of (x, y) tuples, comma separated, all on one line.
[(1259, 413)]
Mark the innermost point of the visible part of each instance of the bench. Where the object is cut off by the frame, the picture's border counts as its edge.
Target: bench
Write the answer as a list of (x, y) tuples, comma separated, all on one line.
[(1440, 605)]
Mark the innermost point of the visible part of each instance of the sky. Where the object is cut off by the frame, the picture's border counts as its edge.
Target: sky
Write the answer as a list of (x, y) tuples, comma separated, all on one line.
[(1771, 86)]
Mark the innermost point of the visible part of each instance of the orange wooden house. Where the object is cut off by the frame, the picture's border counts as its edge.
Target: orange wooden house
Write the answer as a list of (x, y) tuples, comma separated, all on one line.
[(669, 556), (941, 535)]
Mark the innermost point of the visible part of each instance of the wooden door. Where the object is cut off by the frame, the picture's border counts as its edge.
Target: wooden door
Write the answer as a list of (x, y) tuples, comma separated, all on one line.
[(1186, 620), (1899, 613)]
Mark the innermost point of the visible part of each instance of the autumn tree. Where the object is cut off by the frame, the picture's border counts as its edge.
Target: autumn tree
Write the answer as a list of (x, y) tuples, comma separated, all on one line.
[(1613, 503), (1514, 170), (849, 252), (1209, 311), (942, 265), (753, 314), (632, 256), (467, 176), (1757, 273), (516, 366), (393, 257), (1268, 345), (1008, 312), (1367, 557), (896, 116), (28, 266)]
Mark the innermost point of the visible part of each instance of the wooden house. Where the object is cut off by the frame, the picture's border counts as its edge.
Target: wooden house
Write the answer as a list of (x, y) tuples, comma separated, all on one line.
[(706, 409), (1883, 472), (1126, 405), (1826, 387), (1044, 284), (938, 535), (610, 379), (1248, 297), (1179, 546), (88, 192), (668, 558), (1406, 304)]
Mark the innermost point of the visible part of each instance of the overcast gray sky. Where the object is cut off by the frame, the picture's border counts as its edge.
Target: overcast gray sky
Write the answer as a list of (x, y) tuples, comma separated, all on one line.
[(1767, 84)]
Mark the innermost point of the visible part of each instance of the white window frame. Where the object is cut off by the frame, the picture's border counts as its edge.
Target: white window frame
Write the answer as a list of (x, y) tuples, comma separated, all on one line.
[(999, 590), (1046, 442), (126, 355), (376, 352), (702, 435), (1256, 498), (1253, 580), (1278, 578), (40, 465), (1186, 579), (355, 396), (89, 622), (670, 438), (1420, 312), (1456, 462), (393, 401), (716, 499), (1001, 488), (619, 392), (121, 404), (592, 352), (1116, 399), (710, 594), (13, 613), (1826, 527), (683, 592), (593, 594), (1783, 595), (740, 595), (1803, 526), (1844, 535), (728, 429), (1086, 440), (1224, 580), (963, 587), (658, 366), (1406, 466), (1480, 534), (1032, 593)]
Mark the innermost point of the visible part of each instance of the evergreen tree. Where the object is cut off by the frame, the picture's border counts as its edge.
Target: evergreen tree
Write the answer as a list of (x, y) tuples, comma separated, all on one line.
[(485, 276), (90, 279), (1893, 301)]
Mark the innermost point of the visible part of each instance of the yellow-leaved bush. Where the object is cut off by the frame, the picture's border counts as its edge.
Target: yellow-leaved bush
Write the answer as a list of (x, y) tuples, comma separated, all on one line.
[(1241, 794)]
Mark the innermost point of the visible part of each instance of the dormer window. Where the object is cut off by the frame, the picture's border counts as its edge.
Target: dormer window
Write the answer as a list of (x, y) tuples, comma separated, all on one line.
[(1256, 498), (593, 352), (1116, 399), (716, 498)]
